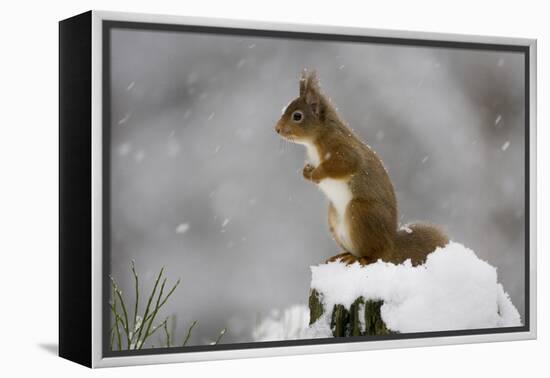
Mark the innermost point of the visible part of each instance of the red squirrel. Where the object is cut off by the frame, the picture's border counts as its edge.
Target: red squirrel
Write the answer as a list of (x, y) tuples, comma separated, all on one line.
[(362, 212)]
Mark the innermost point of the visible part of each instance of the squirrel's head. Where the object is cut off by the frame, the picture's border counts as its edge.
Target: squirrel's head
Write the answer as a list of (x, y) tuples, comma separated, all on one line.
[(304, 118)]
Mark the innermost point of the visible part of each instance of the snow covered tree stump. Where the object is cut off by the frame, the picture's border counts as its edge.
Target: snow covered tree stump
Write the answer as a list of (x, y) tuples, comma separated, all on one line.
[(362, 319), (452, 290)]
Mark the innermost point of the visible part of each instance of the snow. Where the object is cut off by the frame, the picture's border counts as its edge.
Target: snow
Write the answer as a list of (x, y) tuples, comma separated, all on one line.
[(173, 148), (225, 222), (290, 324), (453, 290), (498, 119), (425, 159), (505, 146), (124, 149), (139, 156), (124, 119), (182, 228), (407, 229)]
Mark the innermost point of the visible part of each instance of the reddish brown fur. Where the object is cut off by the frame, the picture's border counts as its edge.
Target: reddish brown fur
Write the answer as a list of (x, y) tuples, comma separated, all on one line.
[(371, 215)]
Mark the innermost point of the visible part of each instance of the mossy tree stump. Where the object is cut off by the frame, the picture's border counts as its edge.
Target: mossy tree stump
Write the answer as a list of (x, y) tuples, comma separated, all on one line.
[(361, 319)]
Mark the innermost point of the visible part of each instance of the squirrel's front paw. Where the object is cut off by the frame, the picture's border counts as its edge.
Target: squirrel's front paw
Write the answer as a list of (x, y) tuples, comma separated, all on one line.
[(308, 172)]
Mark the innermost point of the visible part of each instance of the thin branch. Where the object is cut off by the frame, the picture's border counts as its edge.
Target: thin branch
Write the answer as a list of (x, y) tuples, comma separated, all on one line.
[(164, 300), (119, 340), (148, 307), (139, 329), (115, 313), (125, 324), (154, 314), (169, 293), (222, 332), (153, 331), (189, 333), (136, 284), (167, 334), (112, 333)]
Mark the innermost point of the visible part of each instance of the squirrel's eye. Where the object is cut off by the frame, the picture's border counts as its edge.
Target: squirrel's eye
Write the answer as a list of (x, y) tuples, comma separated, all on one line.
[(297, 116)]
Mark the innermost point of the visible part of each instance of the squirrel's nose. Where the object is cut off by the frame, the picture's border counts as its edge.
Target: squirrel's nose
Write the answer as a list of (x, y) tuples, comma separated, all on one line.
[(278, 128)]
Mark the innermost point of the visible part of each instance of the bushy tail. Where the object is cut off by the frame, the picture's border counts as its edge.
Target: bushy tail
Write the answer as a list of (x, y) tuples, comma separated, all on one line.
[(417, 241)]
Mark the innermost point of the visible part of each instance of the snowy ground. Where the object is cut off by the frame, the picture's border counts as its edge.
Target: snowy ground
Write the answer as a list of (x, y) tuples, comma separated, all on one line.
[(453, 290)]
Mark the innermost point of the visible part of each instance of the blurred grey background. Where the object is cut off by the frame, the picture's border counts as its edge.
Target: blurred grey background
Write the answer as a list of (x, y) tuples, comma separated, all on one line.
[(201, 184)]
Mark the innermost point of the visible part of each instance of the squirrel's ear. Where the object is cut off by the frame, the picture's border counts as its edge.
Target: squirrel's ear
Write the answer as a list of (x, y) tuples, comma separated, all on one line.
[(316, 105), (302, 87), (303, 81), (313, 96)]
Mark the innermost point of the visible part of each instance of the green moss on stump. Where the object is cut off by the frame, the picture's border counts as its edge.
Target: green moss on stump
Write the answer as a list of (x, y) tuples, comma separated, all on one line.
[(344, 322)]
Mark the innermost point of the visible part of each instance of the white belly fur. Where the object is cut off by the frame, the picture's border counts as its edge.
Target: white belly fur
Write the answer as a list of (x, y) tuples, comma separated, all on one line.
[(338, 193)]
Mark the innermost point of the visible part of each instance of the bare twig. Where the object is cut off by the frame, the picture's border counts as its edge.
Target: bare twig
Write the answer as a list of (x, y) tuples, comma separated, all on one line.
[(164, 300), (189, 333), (137, 330), (167, 334), (222, 332), (153, 315), (136, 284), (147, 309), (117, 317), (125, 325)]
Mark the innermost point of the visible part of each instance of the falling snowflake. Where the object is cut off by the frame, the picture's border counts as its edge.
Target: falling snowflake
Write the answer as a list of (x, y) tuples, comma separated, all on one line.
[(173, 148), (505, 145), (139, 156), (124, 119), (182, 228), (124, 149)]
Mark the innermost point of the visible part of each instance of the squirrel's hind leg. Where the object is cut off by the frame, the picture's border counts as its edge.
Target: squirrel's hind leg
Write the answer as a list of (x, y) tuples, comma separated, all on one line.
[(348, 259), (341, 256), (372, 229)]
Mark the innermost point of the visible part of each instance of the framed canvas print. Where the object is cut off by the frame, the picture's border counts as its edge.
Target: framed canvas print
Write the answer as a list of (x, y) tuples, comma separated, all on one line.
[(235, 189)]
